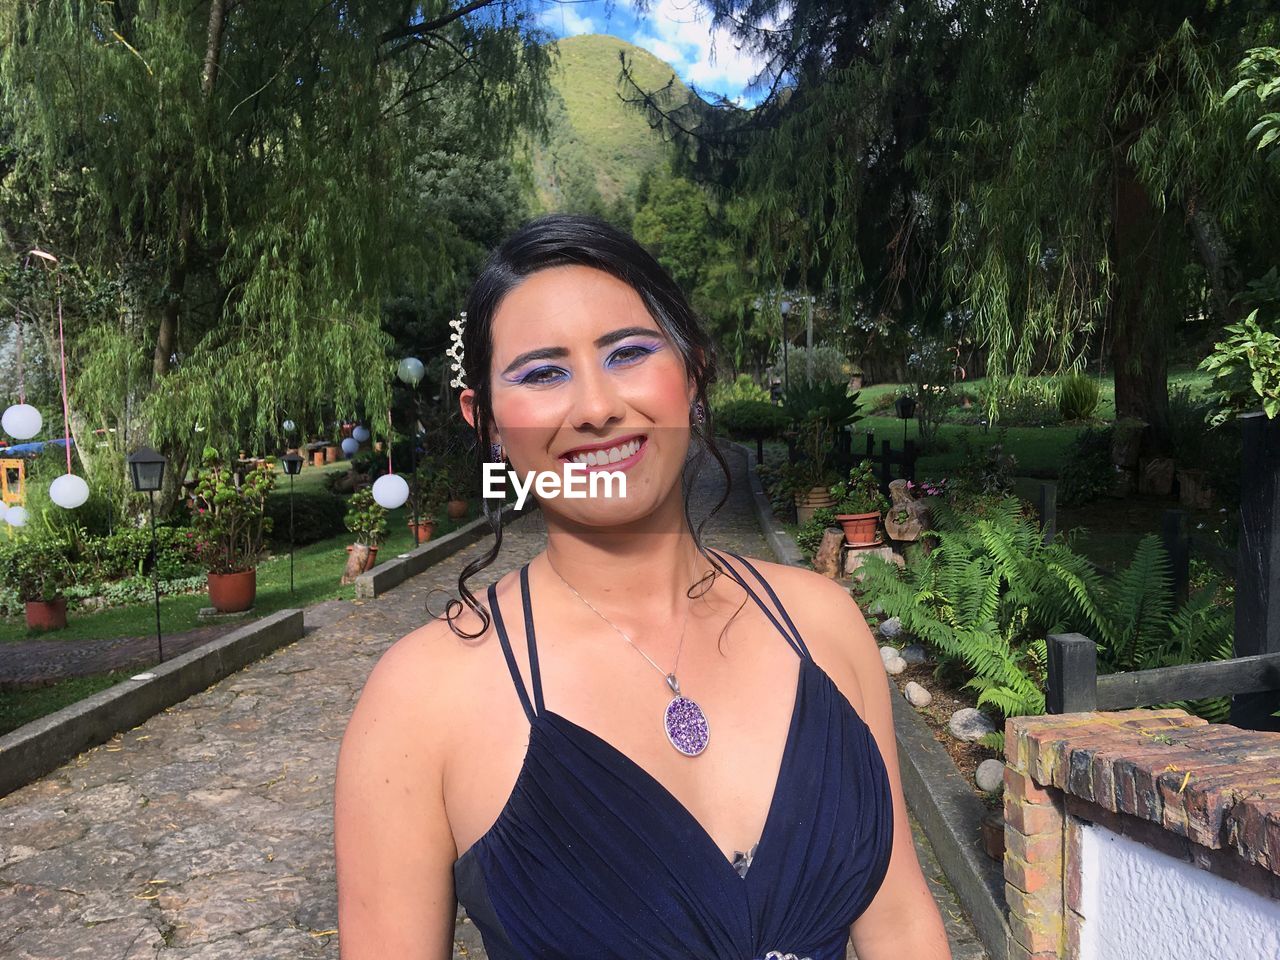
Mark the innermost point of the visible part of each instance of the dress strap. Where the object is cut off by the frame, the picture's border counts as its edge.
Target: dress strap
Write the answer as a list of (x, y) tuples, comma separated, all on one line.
[(507, 652), (789, 632), (533, 642)]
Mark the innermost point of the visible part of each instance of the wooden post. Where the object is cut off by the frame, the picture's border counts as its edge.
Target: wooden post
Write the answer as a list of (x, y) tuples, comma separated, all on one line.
[(871, 444), (1073, 674), (1177, 544), (1257, 607), (1047, 508)]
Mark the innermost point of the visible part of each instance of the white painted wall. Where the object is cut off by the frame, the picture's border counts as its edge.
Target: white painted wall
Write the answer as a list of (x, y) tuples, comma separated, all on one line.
[(1141, 904)]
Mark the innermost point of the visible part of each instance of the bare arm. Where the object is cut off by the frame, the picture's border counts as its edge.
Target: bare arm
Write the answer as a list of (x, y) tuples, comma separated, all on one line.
[(394, 848), (903, 920)]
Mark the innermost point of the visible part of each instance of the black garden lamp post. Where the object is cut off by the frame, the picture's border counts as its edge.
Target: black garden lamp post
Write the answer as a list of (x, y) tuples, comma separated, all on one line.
[(784, 308), (146, 470), (292, 466), (906, 409)]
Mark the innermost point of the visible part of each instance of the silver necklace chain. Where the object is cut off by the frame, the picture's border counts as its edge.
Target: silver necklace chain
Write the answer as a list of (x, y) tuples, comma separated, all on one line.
[(672, 682)]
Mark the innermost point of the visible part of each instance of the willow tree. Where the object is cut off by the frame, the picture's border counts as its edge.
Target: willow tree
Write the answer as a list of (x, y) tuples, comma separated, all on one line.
[(1063, 176), (247, 177)]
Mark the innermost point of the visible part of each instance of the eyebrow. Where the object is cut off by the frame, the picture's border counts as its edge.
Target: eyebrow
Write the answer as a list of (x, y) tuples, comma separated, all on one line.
[(557, 353)]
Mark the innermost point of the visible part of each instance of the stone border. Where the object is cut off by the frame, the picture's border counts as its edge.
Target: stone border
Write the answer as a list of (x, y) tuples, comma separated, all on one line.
[(937, 793), (44, 744), (951, 816), (395, 572)]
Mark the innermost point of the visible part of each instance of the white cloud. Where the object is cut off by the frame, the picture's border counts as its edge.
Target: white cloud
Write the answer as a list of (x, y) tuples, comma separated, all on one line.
[(660, 48), (707, 58), (566, 20)]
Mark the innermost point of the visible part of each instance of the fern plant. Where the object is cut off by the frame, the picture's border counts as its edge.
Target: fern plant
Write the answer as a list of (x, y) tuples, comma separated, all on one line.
[(990, 591)]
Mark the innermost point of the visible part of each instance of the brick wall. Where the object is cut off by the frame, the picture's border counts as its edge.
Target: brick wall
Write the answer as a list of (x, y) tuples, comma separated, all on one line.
[(1207, 794)]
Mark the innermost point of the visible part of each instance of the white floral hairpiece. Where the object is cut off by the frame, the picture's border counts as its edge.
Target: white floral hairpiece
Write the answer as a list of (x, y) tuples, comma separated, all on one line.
[(455, 351)]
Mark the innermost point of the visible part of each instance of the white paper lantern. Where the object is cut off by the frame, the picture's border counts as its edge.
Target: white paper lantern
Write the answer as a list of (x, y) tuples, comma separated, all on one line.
[(410, 371), (69, 491), (361, 434), (4, 508), (390, 491), (350, 446), (17, 516), (21, 421), (289, 426)]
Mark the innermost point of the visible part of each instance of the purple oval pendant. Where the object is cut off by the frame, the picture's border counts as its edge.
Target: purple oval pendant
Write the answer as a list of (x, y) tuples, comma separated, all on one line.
[(686, 726)]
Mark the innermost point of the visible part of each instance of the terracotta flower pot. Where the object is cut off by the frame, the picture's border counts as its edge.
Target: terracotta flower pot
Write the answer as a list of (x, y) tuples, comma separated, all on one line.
[(808, 503), (422, 530), (456, 509), (859, 528), (317, 457), (47, 614), (233, 592), (331, 453)]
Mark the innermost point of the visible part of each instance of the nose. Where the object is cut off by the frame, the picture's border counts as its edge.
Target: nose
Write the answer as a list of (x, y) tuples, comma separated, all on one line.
[(596, 403)]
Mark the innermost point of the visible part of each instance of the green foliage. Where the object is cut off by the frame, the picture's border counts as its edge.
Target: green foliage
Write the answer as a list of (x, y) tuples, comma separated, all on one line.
[(126, 552), (317, 515), (1087, 473), (1078, 397), (990, 591), (742, 387), (809, 536), (1246, 368), (366, 518), (35, 567), (229, 514), (985, 472), (1020, 401), (1259, 74), (830, 365), (859, 492), (752, 419), (430, 488)]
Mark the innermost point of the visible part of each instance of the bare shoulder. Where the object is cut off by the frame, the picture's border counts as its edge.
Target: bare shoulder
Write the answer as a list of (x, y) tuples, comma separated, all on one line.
[(392, 838)]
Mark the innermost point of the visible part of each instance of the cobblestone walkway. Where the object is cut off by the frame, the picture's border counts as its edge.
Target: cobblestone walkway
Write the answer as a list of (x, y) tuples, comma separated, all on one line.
[(206, 833)]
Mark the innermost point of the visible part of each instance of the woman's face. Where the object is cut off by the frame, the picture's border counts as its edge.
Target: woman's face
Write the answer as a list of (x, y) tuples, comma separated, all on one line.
[(581, 373)]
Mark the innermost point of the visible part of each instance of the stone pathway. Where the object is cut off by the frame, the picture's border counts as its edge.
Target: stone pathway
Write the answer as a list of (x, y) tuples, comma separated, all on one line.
[(206, 832)]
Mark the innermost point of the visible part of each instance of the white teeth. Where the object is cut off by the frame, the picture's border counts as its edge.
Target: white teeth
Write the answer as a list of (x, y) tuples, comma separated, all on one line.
[(596, 458)]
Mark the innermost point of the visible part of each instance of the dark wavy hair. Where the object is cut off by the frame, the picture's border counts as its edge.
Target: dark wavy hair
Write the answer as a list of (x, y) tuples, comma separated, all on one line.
[(556, 240)]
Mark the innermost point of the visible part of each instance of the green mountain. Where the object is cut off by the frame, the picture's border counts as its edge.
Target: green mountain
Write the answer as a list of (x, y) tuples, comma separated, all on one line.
[(599, 146)]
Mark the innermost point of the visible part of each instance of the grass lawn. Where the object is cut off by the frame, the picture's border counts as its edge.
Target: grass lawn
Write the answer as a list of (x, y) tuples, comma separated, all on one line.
[(22, 706), (317, 569)]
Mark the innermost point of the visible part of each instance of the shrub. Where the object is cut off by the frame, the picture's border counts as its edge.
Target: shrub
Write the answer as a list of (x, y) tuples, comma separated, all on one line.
[(752, 420), (809, 536), (1088, 472), (1077, 397), (859, 492), (316, 516), (1021, 401), (35, 567), (367, 519), (126, 552), (742, 387), (229, 518), (830, 365)]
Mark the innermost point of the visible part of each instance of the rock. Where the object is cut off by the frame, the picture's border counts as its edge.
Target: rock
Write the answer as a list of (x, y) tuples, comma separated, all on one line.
[(969, 725), (914, 653), (917, 695), (895, 666), (888, 653), (990, 776), (827, 560), (890, 629)]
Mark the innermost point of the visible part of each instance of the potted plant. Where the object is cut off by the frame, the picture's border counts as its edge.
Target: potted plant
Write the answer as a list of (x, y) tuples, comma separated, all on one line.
[(859, 504), (231, 523), (38, 569), (427, 496), (818, 413), (454, 489), (368, 521)]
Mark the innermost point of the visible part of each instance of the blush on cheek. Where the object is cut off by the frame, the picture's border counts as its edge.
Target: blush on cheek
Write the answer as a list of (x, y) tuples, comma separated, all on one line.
[(659, 389)]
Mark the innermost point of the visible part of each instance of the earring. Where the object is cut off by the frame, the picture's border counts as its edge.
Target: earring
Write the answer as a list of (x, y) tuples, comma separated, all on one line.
[(496, 453), (699, 413)]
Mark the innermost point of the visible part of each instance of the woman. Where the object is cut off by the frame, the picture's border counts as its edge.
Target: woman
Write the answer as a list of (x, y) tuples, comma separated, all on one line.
[(636, 746)]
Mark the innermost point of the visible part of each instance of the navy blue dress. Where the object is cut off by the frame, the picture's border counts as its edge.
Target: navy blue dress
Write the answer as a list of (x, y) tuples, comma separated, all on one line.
[(593, 859)]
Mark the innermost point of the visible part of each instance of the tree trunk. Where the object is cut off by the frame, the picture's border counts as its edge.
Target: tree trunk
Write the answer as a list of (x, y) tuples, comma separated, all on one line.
[(1139, 346)]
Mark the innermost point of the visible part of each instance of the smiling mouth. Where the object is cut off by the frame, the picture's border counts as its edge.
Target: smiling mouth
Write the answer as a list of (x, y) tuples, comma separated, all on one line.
[(604, 456)]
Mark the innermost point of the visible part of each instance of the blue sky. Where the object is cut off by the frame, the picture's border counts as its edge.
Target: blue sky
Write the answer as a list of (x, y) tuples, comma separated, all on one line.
[(678, 31)]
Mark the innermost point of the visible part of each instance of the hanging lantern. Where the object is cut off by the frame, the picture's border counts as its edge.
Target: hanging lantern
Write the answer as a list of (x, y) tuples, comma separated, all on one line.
[(17, 516), (4, 508), (390, 491), (21, 421), (289, 426), (361, 433), (350, 445), (69, 491), (410, 371)]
